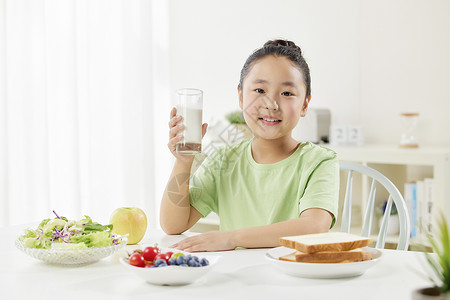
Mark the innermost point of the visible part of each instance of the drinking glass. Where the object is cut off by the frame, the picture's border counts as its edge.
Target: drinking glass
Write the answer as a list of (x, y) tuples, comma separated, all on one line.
[(190, 107)]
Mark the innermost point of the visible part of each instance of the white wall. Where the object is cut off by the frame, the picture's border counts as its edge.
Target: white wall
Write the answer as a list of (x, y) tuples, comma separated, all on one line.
[(369, 60), (406, 67)]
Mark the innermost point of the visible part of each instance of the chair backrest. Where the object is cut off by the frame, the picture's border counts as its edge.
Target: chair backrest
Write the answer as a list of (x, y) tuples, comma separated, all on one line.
[(394, 196)]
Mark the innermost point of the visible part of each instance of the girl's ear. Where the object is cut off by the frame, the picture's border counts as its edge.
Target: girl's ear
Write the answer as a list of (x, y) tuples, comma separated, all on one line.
[(305, 107), (241, 98)]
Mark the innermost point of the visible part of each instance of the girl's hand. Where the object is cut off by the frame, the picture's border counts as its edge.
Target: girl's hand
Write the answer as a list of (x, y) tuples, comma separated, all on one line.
[(209, 241), (174, 128)]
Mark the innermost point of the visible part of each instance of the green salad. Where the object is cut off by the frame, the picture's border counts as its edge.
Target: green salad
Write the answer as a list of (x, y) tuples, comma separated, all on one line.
[(61, 233)]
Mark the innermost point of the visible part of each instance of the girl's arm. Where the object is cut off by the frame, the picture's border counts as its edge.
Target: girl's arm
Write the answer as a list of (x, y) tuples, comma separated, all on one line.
[(176, 213), (313, 220)]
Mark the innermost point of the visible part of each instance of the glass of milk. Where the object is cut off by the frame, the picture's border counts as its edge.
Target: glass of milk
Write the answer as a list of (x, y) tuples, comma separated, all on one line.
[(190, 107)]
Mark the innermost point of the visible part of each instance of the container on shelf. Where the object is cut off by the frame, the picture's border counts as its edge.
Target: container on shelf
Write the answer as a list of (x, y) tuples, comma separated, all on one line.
[(408, 138)]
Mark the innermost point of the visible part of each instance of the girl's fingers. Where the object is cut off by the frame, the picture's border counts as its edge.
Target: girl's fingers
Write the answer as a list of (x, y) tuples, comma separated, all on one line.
[(173, 112), (175, 130), (185, 243), (174, 121), (173, 141)]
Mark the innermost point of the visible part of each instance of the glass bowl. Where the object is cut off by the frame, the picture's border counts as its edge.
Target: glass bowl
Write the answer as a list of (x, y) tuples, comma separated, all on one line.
[(72, 256)]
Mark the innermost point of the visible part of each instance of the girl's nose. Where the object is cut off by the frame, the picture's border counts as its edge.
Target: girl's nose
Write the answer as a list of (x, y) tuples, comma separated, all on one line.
[(270, 103)]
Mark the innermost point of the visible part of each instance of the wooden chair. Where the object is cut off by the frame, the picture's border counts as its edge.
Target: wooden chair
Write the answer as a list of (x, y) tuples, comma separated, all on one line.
[(394, 197)]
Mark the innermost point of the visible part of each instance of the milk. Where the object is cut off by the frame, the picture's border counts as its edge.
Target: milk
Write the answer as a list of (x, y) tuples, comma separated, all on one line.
[(190, 107), (192, 119)]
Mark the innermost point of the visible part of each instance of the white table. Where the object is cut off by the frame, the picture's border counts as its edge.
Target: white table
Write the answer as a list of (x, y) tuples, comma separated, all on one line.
[(239, 274)]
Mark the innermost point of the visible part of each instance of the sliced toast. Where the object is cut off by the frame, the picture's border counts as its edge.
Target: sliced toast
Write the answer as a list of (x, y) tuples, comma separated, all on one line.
[(328, 256), (320, 242)]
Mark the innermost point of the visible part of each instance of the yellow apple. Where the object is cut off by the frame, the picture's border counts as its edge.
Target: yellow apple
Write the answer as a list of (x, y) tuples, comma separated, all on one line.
[(131, 221)]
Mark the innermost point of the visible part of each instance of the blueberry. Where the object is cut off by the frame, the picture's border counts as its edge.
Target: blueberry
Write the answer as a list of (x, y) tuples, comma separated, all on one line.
[(181, 260), (172, 261), (204, 262), (183, 265), (160, 263), (195, 258), (192, 263)]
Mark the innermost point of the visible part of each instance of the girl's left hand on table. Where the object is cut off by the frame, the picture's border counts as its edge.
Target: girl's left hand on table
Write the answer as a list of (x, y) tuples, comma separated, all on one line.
[(208, 241)]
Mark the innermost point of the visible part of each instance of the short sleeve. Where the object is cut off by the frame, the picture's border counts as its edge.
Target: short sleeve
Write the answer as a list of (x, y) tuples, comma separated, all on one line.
[(322, 189), (202, 186)]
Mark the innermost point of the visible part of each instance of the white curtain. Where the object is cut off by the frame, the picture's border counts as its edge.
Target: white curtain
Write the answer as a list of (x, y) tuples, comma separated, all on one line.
[(77, 111)]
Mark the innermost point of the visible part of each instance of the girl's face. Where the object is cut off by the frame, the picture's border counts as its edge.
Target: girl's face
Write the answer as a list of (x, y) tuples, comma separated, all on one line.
[(273, 97)]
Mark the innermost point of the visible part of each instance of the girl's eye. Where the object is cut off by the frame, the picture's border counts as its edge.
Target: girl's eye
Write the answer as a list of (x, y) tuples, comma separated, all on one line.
[(287, 94), (260, 91)]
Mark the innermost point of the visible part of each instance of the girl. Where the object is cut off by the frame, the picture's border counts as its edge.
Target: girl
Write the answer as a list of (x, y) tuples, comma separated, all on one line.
[(263, 188)]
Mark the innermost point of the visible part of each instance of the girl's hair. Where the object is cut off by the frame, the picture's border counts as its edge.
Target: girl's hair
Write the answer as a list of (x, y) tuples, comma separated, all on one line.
[(284, 48)]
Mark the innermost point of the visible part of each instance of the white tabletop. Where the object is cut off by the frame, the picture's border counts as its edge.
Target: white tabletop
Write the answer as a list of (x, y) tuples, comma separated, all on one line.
[(239, 274)]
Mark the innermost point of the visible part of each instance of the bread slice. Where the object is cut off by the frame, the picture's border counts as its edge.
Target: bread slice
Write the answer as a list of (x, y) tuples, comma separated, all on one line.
[(328, 256), (330, 241)]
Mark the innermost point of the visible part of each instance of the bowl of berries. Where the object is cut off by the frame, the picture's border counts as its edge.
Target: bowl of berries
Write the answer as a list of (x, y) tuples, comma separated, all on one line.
[(168, 266)]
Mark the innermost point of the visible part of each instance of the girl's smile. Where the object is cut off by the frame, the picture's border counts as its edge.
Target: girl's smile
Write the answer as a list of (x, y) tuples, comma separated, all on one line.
[(269, 121)]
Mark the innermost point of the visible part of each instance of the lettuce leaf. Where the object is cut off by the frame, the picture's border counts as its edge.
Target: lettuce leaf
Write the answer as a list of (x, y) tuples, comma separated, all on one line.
[(94, 239), (62, 233)]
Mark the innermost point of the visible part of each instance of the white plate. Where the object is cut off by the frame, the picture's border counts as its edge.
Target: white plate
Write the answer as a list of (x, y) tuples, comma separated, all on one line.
[(72, 256), (172, 275), (318, 270)]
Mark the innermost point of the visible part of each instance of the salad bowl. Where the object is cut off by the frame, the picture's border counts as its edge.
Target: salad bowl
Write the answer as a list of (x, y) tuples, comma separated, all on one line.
[(72, 256), (69, 242)]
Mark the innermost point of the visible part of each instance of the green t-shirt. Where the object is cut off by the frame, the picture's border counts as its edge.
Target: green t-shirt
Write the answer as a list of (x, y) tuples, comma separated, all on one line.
[(244, 193)]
